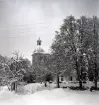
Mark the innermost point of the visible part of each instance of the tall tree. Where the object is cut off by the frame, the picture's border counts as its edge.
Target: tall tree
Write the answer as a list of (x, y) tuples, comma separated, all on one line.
[(83, 44), (74, 42), (95, 48), (64, 46)]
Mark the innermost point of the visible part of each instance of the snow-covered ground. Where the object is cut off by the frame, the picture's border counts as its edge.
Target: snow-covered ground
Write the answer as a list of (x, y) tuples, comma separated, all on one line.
[(48, 97)]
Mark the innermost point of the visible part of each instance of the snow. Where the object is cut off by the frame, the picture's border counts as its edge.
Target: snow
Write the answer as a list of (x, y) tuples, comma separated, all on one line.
[(30, 88), (48, 97)]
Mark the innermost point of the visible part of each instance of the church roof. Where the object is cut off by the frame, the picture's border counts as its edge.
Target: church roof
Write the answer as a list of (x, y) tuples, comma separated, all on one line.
[(39, 50)]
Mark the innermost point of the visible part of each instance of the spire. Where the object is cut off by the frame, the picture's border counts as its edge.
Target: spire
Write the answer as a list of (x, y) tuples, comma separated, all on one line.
[(39, 42)]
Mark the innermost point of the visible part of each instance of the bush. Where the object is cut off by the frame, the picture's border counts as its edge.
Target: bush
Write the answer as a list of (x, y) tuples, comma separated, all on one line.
[(49, 77), (60, 81), (50, 81), (75, 82), (84, 82), (93, 88), (29, 78), (64, 86), (78, 88)]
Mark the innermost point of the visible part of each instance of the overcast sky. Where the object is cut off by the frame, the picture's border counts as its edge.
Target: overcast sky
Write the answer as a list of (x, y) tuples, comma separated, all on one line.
[(22, 22)]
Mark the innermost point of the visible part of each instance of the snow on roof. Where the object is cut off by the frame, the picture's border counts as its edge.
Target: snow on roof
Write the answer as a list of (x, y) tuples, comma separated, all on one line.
[(39, 50)]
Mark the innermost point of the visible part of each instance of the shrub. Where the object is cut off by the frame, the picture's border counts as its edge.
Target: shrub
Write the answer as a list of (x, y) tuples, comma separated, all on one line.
[(29, 78), (93, 88), (78, 88)]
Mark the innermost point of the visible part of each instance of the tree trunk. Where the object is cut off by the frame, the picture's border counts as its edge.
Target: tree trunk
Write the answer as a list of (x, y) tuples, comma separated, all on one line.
[(45, 84), (58, 86), (95, 84), (96, 76), (78, 74), (80, 84), (14, 86), (9, 87)]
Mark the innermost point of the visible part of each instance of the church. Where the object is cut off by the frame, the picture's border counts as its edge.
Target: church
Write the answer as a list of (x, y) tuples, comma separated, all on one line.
[(39, 58)]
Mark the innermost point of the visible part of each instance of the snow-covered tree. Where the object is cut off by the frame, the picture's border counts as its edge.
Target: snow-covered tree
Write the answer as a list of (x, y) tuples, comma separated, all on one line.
[(64, 46), (74, 42)]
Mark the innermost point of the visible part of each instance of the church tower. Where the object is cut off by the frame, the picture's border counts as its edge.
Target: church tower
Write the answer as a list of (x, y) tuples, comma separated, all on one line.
[(37, 52), (39, 58)]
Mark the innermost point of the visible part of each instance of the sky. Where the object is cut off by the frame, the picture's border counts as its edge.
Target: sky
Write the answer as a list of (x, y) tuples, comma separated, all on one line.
[(22, 22)]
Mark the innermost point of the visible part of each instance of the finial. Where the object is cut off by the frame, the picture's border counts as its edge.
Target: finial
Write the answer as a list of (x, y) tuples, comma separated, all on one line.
[(39, 42)]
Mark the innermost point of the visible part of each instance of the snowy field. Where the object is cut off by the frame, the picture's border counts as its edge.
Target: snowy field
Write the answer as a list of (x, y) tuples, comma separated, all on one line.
[(48, 97)]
